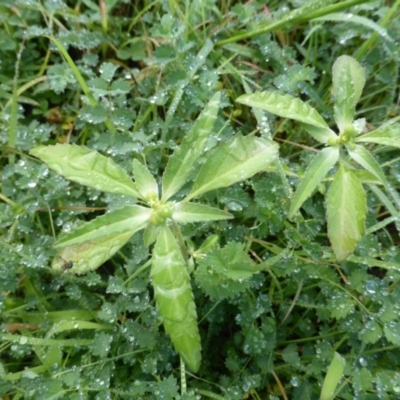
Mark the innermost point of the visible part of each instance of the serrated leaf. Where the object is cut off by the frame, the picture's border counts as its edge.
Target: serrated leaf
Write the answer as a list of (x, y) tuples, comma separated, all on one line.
[(98, 85), (320, 134), (290, 354), (319, 166), (124, 219), (87, 167), (123, 118), (107, 71), (333, 376), (119, 86), (370, 333), (165, 53), (291, 78), (392, 332), (59, 78), (88, 256), (181, 162), (388, 135), (342, 305), (363, 157), (233, 161), (101, 344), (346, 212), (305, 391), (348, 82), (186, 212), (224, 273), (362, 380), (285, 106), (145, 182), (168, 387), (93, 115)]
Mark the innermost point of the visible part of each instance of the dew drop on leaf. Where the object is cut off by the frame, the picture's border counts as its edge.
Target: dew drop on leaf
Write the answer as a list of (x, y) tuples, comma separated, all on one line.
[(371, 287), (294, 381), (363, 362)]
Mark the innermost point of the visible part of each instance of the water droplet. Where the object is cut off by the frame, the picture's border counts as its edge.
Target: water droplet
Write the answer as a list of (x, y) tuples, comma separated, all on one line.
[(294, 381), (371, 286), (363, 362)]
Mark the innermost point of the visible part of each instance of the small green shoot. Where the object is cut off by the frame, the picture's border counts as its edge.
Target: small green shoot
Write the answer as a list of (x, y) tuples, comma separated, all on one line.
[(90, 245)]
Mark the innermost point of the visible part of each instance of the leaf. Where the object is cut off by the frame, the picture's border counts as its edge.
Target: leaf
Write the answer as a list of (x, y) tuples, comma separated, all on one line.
[(225, 272), (285, 106), (305, 391), (87, 167), (90, 255), (168, 387), (180, 164), (293, 76), (319, 166), (174, 298), (124, 219), (348, 82), (93, 114), (107, 71), (346, 211), (191, 212), (145, 182), (233, 161), (358, 20), (333, 376), (207, 245), (59, 78), (388, 135), (392, 332), (320, 134), (150, 234), (366, 177), (290, 354), (362, 380), (370, 333), (372, 262), (363, 157), (101, 344), (342, 305)]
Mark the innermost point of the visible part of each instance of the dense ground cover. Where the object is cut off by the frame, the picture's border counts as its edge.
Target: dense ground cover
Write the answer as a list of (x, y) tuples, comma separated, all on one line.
[(295, 275)]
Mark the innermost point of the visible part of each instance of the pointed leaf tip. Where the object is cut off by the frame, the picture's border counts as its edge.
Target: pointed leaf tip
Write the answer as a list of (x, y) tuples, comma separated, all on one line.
[(233, 161), (319, 166), (285, 106), (87, 167)]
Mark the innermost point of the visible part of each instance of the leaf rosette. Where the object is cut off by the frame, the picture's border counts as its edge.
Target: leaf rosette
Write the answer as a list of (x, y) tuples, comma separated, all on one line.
[(94, 242)]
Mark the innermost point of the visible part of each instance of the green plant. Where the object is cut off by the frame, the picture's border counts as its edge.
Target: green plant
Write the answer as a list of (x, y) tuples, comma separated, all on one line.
[(274, 306), (93, 243), (346, 198), (335, 372)]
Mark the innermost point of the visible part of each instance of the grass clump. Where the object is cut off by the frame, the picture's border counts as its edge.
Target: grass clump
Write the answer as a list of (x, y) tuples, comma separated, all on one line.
[(255, 147)]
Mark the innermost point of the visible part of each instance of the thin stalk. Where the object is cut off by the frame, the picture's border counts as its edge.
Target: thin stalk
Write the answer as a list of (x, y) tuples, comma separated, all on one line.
[(12, 132), (183, 378), (372, 39), (300, 15), (79, 78)]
